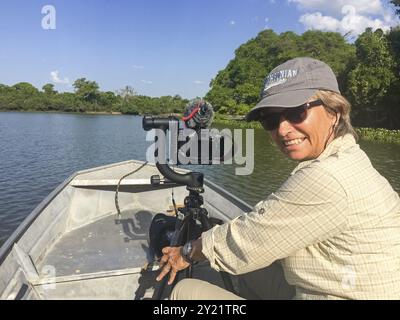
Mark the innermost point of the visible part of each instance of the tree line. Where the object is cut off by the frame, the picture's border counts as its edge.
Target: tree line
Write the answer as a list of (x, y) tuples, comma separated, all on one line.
[(368, 72), (86, 97)]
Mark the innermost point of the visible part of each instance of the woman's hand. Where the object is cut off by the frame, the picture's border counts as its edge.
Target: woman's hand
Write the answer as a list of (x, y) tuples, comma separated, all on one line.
[(172, 261)]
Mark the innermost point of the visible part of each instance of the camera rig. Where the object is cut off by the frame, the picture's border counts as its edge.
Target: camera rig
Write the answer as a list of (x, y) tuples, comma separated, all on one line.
[(193, 213)]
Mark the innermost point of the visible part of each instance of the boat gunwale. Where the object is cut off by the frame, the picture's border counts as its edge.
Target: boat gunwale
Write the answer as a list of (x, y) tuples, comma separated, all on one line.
[(229, 196), (89, 276)]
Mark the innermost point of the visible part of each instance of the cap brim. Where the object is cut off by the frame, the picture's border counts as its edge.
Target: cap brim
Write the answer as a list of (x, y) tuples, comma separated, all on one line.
[(288, 99)]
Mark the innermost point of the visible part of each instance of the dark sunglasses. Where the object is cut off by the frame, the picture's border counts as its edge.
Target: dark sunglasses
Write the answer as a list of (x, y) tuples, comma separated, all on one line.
[(295, 115)]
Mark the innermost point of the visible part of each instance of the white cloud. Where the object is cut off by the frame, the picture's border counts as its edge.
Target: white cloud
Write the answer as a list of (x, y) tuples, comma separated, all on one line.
[(146, 81), (199, 82), (350, 22), (56, 78), (334, 7), (318, 21), (232, 22), (135, 66), (345, 15)]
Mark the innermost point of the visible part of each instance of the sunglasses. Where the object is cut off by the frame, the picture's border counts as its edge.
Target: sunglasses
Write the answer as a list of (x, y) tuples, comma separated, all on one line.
[(271, 121)]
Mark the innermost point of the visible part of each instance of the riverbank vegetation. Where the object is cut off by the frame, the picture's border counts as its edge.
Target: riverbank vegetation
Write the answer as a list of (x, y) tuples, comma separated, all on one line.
[(86, 98), (368, 71), (370, 134)]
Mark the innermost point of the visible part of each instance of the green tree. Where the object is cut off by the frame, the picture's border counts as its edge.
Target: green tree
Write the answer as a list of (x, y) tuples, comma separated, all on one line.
[(23, 96), (48, 89), (393, 38), (371, 78), (107, 100), (25, 88), (236, 88), (127, 92), (86, 90), (392, 100), (221, 98)]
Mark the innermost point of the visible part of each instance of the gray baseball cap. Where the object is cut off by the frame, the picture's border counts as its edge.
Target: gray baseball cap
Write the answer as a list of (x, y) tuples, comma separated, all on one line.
[(292, 83)]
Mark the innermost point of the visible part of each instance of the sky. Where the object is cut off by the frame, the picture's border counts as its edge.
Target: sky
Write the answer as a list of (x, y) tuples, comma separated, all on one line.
[(158, 47)]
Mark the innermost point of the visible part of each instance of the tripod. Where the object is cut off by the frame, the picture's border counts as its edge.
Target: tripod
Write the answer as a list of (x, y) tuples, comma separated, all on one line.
[(190, 216), (192, 213)]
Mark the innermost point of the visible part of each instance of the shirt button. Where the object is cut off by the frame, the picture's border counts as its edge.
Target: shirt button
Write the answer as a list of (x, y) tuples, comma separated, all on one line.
[(261, 211)]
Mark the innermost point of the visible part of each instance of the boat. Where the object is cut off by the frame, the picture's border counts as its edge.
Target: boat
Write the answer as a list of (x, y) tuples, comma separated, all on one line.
[(74, 245)]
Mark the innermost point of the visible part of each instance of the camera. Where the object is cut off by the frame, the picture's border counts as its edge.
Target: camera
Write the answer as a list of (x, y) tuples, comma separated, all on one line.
[(190, 140)]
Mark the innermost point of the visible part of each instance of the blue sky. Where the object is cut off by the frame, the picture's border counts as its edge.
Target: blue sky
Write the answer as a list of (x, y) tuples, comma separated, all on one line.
[(158, 47)]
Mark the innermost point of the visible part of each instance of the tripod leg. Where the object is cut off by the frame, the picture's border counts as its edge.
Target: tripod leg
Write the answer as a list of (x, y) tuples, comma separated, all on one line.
[(161, 287), (190, 236), (182, 230)]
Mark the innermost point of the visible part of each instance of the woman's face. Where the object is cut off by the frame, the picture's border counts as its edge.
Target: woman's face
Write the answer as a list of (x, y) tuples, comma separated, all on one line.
[(305, 140)]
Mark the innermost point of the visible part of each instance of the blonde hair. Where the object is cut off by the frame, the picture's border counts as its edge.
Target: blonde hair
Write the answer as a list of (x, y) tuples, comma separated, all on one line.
[(335, 103)]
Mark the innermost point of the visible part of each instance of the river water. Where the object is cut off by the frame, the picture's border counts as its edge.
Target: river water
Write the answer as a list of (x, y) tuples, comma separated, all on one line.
[(38, 151)]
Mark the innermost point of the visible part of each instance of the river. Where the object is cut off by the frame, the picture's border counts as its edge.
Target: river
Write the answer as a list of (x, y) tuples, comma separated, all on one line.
[(40, 150)]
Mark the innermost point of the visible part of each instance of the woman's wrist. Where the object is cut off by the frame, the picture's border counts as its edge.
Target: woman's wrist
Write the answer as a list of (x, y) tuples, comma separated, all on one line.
[(197, 254), (191, 251), (187, 252)]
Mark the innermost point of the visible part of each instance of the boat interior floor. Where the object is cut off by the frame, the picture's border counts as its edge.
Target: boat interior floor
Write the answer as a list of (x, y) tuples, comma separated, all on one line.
[(111, 243), (113, 247)]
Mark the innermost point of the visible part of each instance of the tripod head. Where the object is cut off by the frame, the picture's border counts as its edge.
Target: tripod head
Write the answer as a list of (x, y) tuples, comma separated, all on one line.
[(192, 180)]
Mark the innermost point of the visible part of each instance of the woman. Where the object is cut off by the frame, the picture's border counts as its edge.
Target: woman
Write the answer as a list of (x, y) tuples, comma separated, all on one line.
[(334, 223)]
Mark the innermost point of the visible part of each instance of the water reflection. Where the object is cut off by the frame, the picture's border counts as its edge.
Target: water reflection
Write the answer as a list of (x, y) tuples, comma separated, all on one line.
[(39, 151)]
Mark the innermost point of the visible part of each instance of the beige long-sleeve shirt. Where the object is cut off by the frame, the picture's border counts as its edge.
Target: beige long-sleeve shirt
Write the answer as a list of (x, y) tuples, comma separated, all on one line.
[(334, 224)]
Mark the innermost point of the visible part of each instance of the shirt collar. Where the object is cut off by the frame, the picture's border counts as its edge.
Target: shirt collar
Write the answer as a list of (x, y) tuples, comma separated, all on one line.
[(336, 146)]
